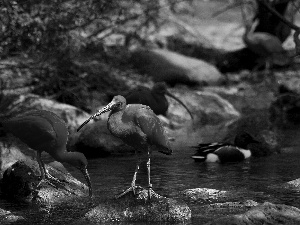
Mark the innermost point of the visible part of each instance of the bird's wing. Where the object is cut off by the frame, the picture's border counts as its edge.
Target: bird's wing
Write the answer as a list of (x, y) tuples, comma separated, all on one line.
[(209, 147), (151, 126), (32, 130)]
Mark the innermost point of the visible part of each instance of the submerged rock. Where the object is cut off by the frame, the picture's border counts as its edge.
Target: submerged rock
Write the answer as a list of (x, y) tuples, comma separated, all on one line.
[(266, 213), (294, 184), (204, 194), (138, 208)]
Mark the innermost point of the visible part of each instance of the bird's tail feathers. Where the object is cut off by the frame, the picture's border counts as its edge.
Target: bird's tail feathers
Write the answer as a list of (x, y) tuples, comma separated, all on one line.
[(199, 158)]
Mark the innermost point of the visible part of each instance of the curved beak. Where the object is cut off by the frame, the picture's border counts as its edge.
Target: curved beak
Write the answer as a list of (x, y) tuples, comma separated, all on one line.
[(88, 180), (103, 110), (177, 99)]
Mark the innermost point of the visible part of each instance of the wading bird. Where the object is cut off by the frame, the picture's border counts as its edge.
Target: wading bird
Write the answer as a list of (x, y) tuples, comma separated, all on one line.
[(154, 98), (264, 44), (42, 131), (225, 152), (138, 126)]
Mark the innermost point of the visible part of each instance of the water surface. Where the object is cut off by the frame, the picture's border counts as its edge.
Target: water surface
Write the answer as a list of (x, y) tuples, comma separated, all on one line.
[(256, 179)]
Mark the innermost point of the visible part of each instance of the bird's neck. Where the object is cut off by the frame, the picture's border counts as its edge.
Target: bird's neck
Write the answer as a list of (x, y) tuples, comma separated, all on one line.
[(64, 156), (114, 122)]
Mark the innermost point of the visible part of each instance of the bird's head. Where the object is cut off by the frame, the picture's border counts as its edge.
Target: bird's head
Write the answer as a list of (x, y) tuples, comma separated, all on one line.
[(80, 162), (160, 88), (243, 139), (117, 104)]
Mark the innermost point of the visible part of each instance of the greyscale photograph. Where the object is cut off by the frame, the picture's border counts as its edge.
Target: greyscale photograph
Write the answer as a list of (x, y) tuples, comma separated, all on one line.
[(141, 112)]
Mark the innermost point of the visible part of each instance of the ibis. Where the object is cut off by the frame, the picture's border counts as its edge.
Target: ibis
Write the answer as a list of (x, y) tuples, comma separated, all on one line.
[(155, 98), (138, 126), (42, 130), (264, 44)]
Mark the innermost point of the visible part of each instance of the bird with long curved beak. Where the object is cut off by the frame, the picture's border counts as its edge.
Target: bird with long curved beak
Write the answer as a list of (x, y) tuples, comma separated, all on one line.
[(138, 126), (154, 98), (43, 130)]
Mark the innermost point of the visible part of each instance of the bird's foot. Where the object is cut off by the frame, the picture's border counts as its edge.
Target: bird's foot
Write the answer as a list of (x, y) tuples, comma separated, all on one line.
[(132, 188), (54, 182)]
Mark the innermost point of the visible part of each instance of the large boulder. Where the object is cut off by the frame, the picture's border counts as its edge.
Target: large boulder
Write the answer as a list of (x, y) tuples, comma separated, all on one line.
[(15, 104), (206, 107), (95, 140), (171, 67), (138, 208)]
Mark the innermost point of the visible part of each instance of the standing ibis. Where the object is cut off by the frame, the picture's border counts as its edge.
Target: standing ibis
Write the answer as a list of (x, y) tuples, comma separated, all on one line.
[(225, 152), (42, 131), (264, 44), (154, 98), (138, 126)]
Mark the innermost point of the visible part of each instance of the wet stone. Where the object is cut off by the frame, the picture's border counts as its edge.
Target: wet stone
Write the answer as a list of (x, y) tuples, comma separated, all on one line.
[(266, 213), (138, 208), (20, 182), (7, 217)]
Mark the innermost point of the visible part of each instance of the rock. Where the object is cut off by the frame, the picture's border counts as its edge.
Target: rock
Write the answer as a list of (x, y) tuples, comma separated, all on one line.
[(191, 46), (20, 183), (173, 68), (244, 96), (9, 154), (258, 126), (95, 140), (137, 208), (295, 184), (266, 213), (285, 111), (206, 107), (220, 209), (252, 123), (203, 194), (18, 104), (7, 217)]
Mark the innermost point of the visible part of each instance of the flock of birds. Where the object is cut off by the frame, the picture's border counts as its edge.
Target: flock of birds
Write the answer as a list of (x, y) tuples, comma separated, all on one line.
[(135, 123)]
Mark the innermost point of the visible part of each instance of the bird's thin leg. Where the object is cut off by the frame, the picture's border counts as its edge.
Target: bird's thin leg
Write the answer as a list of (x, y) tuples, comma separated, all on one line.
[(45, 176), (134, 175), (149, 183), (132, 188), (44, 172), (42, 167)]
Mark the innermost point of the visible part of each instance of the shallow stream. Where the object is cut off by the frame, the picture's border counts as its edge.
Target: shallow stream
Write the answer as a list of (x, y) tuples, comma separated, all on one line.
[(257, 179)]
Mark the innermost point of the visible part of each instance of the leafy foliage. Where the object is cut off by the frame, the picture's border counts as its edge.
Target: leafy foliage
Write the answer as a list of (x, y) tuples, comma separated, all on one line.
[(43, 25)]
